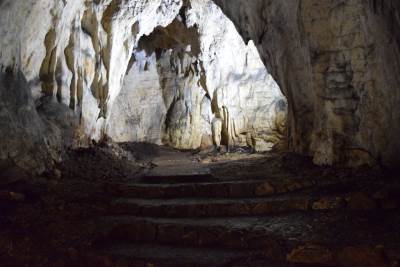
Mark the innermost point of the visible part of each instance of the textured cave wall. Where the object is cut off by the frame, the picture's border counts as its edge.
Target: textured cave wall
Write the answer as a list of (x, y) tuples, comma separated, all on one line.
[(204, 72), (160, 99), (65, 64), (31, 134), (68, 77), (338, 64), (71, 58), (242, 92)]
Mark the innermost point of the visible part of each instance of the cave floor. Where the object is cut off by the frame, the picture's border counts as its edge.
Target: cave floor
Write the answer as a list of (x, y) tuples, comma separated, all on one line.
[(145, 205)]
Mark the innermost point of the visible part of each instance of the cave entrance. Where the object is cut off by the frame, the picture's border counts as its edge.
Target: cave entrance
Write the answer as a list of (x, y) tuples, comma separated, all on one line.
[(195, 84)]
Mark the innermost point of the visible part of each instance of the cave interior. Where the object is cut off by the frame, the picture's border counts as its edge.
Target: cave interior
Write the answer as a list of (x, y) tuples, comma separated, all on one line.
[(199, 133)]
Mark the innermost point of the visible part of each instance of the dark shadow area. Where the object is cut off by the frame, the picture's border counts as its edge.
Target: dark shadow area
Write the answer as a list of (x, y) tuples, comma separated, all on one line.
[(269, 209)]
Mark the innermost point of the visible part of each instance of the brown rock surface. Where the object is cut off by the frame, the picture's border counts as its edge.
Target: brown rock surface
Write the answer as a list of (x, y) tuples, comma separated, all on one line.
[(311, 254)]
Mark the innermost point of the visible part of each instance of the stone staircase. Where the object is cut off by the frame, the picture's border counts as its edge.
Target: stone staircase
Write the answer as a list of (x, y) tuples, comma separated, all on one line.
[(200, 220)]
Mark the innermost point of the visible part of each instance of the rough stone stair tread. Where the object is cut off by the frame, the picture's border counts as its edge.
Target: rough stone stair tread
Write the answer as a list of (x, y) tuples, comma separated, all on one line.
[(233, 189), (230, 181), (171, 171), (176, 256), (203, 207), (208, 201), (164, 185), (296, 227), (275, 225), (222, 178), (179, 178), (173, 174), (211, 183)]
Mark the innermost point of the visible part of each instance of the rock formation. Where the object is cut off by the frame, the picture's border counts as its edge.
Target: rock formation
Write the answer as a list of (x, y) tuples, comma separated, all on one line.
[(337, 62), (155, 71), (69, 54), (187, 74), (162, 70)]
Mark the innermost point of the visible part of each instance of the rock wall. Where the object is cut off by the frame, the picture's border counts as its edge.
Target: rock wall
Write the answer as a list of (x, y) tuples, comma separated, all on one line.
[(71, 57), (78, 72), (205, 71), (338, 64), (67, 75)]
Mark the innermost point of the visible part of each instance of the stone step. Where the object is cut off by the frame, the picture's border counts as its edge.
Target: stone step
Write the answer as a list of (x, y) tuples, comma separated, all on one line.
[(218, 189), (178, 178), (276, 235), (176, 208), (231, 207), (309, 255), (131, 254), (247, 233), (230, 188), (187, 173)]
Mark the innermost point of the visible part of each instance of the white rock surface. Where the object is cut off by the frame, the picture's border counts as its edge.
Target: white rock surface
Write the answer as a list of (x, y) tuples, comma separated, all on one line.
[(226, 79), (74, 53), (73, 58), (64, 78)]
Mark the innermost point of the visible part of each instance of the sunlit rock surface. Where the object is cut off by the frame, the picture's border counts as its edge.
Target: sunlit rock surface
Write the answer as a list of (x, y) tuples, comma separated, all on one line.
[(338, 63), (157, 71)]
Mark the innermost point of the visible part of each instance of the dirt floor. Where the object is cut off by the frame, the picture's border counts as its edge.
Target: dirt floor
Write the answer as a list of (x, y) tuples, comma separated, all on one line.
[(51, 220)]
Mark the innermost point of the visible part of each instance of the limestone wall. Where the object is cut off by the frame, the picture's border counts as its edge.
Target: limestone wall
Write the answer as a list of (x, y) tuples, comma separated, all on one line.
[(76, 71), (338, 64)]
